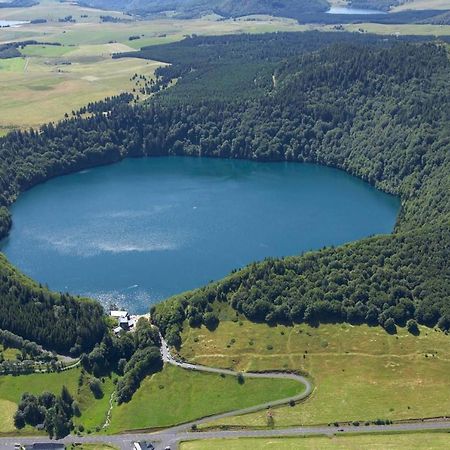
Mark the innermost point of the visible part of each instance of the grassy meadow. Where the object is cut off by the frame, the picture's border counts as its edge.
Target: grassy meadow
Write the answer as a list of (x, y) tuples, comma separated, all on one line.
[(180, 396), (9, 353), (42, 87), (422, 4), (360, 373), (93, 411), (12, 387), (175, 396), (395, 441)]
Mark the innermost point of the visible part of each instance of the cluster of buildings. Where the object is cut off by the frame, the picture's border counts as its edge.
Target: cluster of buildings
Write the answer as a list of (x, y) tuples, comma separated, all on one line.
[(125, 322)]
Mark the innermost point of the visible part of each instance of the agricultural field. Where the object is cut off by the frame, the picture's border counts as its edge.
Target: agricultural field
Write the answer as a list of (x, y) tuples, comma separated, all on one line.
[(12, 388), (49, 81), (7, 410), (403, 441), (360, 373), (53, 10), (182, 396)]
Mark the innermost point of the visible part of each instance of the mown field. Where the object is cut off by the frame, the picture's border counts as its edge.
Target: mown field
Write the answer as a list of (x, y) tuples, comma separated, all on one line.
[(51, 81), (12, 388), (176, 396), (180, 396), (360, 373), (394, 441)]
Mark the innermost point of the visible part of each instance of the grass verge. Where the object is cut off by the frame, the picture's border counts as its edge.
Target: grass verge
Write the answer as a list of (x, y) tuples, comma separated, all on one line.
[(398, 441)]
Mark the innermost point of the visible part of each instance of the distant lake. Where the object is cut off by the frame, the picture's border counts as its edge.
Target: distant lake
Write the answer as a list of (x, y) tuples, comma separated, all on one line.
[(141, 230), (12, 23), (355, 11)]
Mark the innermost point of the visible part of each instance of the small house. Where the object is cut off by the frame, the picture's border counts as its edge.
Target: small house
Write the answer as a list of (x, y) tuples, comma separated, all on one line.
[(142, 445), (124, 323)]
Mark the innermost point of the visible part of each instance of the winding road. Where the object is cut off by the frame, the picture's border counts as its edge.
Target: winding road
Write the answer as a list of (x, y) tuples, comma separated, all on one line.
[(171, 437), (169, 359)]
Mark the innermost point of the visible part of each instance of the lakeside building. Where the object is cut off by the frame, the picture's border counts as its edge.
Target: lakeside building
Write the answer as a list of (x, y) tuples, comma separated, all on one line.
[(125, 322)]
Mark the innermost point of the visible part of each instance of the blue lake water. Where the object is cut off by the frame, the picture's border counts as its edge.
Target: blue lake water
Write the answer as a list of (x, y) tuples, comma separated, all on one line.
[(348, 10), (144, 229)]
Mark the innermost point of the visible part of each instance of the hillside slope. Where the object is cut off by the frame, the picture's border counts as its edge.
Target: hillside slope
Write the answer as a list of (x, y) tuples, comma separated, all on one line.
[(226, 8), (377, 108)]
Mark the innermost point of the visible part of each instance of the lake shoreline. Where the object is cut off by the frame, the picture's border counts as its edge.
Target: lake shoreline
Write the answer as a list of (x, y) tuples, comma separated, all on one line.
[(274, 180)]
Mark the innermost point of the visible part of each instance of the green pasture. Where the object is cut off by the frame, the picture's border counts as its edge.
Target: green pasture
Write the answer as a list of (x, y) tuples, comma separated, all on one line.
[(360, 372), (176, 395), (386, 441), (45, 51)]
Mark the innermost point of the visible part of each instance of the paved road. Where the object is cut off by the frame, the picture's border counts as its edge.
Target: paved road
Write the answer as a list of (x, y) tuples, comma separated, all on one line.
[(169, 359), (173, 436)]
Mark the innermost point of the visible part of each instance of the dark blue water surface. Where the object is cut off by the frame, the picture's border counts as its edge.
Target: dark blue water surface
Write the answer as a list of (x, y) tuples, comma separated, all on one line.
[(141, 230)]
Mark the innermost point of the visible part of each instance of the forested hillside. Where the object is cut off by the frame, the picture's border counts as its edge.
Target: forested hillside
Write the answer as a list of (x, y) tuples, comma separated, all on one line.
[(226, 8), (18, 3), (378, 109), (59, 322), (305, 11), (382, 5)]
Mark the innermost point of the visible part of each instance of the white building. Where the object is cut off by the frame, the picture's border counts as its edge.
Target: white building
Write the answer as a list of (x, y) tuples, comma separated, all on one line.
[(118, 314)]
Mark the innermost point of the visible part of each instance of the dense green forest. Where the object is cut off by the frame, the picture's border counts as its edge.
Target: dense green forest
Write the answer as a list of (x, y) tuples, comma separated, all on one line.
[(54, 412), (381, 5), (377, 108), (131, 355), (439, 19), (59, 322), (226, 8), (11, 49)]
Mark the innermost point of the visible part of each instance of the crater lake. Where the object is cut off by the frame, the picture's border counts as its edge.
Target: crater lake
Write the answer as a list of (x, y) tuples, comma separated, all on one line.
[(141, 230)]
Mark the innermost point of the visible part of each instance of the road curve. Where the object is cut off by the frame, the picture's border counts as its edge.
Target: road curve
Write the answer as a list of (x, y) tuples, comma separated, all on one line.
[(169, 359), (172, 437)]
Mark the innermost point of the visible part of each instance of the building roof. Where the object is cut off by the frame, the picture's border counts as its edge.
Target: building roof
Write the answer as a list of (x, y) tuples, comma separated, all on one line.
[(143, 445), (118, 313)]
